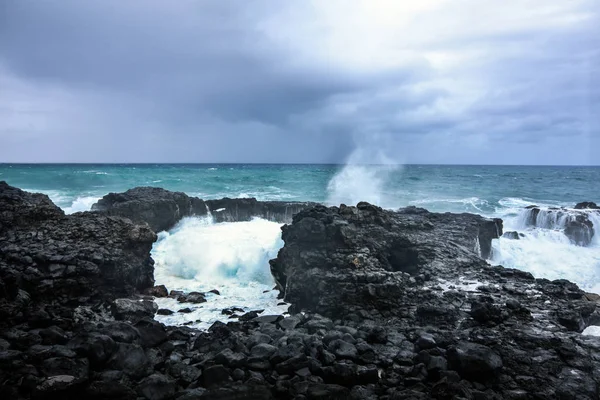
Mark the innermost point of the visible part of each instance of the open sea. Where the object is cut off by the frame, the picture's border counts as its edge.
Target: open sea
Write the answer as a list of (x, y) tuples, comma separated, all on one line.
[(233, 257)]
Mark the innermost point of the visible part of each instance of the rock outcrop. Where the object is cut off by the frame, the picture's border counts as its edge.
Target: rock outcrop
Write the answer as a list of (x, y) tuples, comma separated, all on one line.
[(576, 223), (162, 209), (397, 305), (339, 258), (83, 256), (587, 205), (416, 274), (159, 208)]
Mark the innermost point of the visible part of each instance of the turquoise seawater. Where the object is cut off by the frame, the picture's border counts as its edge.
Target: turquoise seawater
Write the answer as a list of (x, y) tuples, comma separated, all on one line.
[(195, 250), (479, 189)]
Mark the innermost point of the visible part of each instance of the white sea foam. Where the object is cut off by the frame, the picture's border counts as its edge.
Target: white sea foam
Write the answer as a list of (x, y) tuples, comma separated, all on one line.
[(474, 202), (81, 204), (199, 255), (550, 254), (545, 251), (363, 178), (595, 218)]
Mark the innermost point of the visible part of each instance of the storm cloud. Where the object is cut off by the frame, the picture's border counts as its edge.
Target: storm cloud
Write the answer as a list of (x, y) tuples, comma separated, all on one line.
[(466, 81)]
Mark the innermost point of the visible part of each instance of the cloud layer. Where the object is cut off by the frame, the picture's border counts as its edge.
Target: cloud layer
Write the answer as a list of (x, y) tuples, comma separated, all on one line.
[(441, 81)]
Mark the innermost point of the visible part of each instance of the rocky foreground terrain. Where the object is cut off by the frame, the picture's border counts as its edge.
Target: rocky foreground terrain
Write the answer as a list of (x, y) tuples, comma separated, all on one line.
[(384, 305)]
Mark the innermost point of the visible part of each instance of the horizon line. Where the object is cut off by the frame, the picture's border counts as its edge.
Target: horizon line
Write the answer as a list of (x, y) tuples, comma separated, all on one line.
[(298, 163)]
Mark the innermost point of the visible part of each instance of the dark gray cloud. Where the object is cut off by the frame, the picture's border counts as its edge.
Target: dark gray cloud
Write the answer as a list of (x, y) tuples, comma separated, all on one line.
[(214, 81)]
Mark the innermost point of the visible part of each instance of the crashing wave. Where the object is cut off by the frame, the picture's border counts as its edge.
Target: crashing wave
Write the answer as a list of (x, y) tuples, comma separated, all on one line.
[(580, 226)]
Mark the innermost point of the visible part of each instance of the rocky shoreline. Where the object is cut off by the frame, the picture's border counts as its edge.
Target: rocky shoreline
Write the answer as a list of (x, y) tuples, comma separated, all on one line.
[(384, 305)]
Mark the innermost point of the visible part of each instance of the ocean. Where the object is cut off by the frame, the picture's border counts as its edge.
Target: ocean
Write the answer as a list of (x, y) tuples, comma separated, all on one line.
[(233, 257)]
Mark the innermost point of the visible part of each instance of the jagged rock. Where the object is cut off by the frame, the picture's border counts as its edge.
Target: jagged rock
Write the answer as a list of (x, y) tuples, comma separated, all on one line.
[(587, 205), (79, 265), (152, 333), (131, 359), (268, 319), (134, 310), (572, 320), (394, 287), (19, 208), (474, 361), (192, 394), (53, 385), (262, 351), (426, 341), (249, 315), (162, 209), (186, 374), (52, 335), (215, 375), (231, 310), (121, 332), (342, 349), (157, 291), (192, 297), (580, 230), (289, 323), (512, 235), (320, 391), (230, 359), (111, 386), (78, 368), (95, 346), (376, 248), (159, 208), (483, 310), (156, 387)]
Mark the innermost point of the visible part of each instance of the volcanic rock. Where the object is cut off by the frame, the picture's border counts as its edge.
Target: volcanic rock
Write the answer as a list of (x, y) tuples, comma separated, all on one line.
[(395, 305), (367, 255), (162, 209), (587, 205)]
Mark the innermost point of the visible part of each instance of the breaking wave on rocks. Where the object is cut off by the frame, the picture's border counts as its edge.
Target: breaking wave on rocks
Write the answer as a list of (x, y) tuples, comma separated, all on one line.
[(199, 255), (369, 175), (365, 177), (544, 249), (83, 203)]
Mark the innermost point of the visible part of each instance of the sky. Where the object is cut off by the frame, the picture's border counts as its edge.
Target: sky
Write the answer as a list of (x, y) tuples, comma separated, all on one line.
[(429, 81)]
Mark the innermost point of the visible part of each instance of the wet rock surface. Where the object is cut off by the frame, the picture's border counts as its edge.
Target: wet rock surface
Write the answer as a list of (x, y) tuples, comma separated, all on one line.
[(425, 320), (576, 223), (337, 261), (74, 259), (587, 205), (162, 209)]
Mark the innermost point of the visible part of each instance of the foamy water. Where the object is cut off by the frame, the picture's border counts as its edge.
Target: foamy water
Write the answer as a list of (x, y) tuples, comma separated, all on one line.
[(547, 252), (233, 258), (81, 204)]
